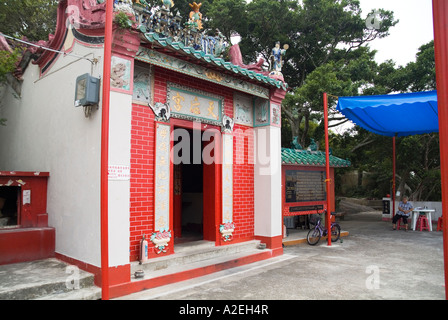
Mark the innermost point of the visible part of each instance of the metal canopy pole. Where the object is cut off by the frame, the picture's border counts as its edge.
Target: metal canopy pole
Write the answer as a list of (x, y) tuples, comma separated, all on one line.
[(440, 17), (393, 175), (105, 152), (327, 167)]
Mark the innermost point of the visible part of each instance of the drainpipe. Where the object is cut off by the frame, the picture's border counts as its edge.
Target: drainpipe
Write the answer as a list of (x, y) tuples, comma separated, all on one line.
[(440, 17), (105, 152)]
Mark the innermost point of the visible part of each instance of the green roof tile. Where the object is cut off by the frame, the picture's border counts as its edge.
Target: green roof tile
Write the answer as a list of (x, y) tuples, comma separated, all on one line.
[(178, 46), (316, 158)]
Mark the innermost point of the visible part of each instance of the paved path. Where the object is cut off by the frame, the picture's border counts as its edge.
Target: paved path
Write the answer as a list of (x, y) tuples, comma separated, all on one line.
[(372, 263)]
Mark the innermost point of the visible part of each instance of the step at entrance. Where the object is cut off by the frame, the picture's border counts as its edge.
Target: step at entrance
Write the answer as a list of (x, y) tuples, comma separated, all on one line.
[(197, 255), (48, 279)]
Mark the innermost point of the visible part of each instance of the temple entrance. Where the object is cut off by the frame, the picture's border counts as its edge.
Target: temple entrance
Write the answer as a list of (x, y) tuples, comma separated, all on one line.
[(194, 188)]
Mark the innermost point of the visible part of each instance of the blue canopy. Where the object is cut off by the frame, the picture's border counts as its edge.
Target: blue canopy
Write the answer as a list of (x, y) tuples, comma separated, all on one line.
[(394, 114)]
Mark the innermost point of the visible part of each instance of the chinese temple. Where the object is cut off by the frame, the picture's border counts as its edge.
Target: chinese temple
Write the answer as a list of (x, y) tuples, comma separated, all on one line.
[(195, 159)]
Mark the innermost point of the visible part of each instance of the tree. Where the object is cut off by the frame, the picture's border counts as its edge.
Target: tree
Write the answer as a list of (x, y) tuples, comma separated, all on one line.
[(33, 19), (227, 16), (326, 32), (8, 62), (417, 157)]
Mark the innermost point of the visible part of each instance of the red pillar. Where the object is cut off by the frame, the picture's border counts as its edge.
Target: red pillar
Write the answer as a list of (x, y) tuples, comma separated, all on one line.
[(327, 167), (440, 15), (105, 152)]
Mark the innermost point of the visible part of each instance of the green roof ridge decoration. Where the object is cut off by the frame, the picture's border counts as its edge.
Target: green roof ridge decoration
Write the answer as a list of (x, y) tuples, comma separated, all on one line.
[(160, 26)]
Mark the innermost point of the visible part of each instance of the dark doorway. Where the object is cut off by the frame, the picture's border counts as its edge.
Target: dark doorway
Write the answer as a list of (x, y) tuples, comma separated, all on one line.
[(9, 206), (195, 186), (188, 188)]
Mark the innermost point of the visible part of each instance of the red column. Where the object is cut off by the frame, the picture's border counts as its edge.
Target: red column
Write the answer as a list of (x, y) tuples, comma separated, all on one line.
[(105, 152), (440, 15), (327, 167)]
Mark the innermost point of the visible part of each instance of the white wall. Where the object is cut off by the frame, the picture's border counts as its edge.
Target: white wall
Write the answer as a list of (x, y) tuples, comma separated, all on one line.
[(120, 114), (436, 205), (267, 182), (45, 132)]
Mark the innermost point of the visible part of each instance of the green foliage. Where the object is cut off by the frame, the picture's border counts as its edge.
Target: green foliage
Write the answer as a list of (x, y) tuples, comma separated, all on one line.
[(33, 19), (227, 16), (123, 20), (8, 62)]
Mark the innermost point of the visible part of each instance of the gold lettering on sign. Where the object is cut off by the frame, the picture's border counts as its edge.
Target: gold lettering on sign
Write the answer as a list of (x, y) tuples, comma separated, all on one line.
[(162, 161), (162, 176), (161, 189), (163, 132), (213, 75), (195, 106), (211, 110), (163, 146), (161, 223), (177, 99)]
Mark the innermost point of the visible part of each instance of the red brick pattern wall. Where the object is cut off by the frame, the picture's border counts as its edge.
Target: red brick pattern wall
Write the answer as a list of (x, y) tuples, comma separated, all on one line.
[(142, 177), (142, 164), (243, 183)]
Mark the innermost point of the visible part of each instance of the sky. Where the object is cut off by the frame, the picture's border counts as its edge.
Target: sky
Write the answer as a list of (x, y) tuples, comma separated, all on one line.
[(414, 29)]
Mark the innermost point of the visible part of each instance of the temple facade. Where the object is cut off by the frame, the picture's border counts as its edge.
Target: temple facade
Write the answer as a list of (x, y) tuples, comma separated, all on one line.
[(194, 141)]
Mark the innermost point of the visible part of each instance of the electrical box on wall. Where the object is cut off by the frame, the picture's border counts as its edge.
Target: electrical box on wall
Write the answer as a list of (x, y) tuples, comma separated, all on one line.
[(87, 90)]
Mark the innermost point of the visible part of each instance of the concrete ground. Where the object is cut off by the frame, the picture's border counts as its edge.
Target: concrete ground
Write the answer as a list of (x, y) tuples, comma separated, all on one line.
[(371, 263)]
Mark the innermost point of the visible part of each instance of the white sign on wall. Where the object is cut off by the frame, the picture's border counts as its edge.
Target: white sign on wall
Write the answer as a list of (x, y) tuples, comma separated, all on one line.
[(119, 172)]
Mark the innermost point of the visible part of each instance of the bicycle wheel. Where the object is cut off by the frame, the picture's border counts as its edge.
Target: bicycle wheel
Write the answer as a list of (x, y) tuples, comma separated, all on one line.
[(335, 232), (313, 236)]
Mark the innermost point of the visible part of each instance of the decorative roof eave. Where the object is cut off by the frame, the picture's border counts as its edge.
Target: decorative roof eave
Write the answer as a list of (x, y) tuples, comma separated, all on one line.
[(211, 61), (311, 158), (201, 71)]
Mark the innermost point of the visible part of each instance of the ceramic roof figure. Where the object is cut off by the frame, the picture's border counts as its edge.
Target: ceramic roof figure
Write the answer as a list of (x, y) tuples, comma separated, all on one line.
[(168, 4), (277, 58), (195, 15), (295, 144), (313, 145)]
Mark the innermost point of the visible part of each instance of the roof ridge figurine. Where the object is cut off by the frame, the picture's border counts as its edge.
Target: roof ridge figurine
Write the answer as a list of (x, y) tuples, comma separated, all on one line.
[(276, 59), (168, 4), (195, 15)]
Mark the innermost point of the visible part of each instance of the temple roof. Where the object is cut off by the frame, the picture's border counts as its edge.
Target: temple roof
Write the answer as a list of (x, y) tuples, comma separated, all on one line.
[(311, 158), (90, 22), (211, 60)]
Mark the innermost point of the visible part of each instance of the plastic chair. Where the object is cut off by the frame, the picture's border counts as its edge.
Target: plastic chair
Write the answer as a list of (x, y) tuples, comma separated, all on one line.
[(400, 226), (422, 223)]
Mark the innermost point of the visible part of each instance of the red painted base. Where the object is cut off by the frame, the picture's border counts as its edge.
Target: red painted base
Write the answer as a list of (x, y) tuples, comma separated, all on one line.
[(26, 244), (136, 286), (273, 243), (117, 275)]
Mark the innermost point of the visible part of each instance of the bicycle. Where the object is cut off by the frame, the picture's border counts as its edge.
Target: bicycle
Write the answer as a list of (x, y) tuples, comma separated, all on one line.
[(318, 231)]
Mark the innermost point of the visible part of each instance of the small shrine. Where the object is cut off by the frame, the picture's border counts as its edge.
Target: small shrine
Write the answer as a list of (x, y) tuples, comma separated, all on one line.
[(303, 180)]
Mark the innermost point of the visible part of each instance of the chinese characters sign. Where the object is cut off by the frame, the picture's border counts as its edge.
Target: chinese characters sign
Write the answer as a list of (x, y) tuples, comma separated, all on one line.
[(194, 105)]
